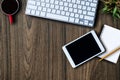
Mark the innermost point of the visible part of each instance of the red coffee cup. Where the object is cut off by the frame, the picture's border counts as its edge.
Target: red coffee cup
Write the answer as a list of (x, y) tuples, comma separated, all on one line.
[(9, 8)]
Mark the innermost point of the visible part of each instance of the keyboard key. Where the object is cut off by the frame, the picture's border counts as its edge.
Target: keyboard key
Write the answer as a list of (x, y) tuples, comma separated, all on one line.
[(58, 12), (79, 6), (33, 12), (44, 9), (93, 5), (75, 11), (31, 2), (27, 11), (56, 2), (57, 17), (90, 0), (56, 6), (61, 3), (37, 13), (53, 11), (86, 22), (72, 14), (88, 8), (47, 1), (77, 20), (66, 8), (61, 7), (51, 1), (81, 16), (42, 4), (82, 2), (42, 0), (47, 5), (84, 8), (75, 6), (67, 13), (51, 6), (80, 11), (81, 22), (88, 18), (40, 8), (71, 20), (90, 24), (62, 12), (93, 9), (38, 4), (68, 0), (95, 1), (71, 9), (87, 3), (42, 14), (76, 15), (65, 4), (73, 1), (84, 12), (91, 13), (31, 7), (49, 10), (70, 5)]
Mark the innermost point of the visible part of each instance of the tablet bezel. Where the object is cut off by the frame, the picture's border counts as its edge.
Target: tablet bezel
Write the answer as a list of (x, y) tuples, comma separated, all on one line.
[(97, 41)]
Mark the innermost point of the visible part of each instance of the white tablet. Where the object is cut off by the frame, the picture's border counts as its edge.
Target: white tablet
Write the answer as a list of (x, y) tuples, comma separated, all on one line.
[(83, 49)]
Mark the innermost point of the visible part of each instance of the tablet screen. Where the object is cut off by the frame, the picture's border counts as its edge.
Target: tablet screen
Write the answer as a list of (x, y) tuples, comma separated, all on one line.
[(83, 48)]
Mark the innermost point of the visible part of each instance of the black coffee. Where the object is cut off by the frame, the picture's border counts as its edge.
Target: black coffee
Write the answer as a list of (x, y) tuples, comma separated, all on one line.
[(9, 6)]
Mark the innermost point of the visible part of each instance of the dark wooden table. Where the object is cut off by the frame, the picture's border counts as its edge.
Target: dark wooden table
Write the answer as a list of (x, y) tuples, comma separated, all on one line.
[(30, 49)]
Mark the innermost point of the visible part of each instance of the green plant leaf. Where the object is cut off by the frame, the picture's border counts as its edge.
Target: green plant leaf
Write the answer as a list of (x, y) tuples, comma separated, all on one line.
[(118, 15), (114, 11), (119, 11), (105, 8)]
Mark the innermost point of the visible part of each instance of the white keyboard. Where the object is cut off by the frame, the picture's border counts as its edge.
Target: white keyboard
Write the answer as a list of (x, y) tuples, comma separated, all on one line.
[(81, 12)]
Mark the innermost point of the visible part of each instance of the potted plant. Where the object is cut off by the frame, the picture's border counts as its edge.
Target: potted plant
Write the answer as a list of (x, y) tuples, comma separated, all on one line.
[(112, 7)]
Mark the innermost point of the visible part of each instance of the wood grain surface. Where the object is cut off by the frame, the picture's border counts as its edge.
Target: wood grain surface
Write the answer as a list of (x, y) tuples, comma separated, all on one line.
[(31, 49)]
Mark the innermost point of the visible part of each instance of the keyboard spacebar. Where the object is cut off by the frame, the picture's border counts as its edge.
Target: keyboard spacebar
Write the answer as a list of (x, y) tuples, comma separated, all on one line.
[(56, 17)]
